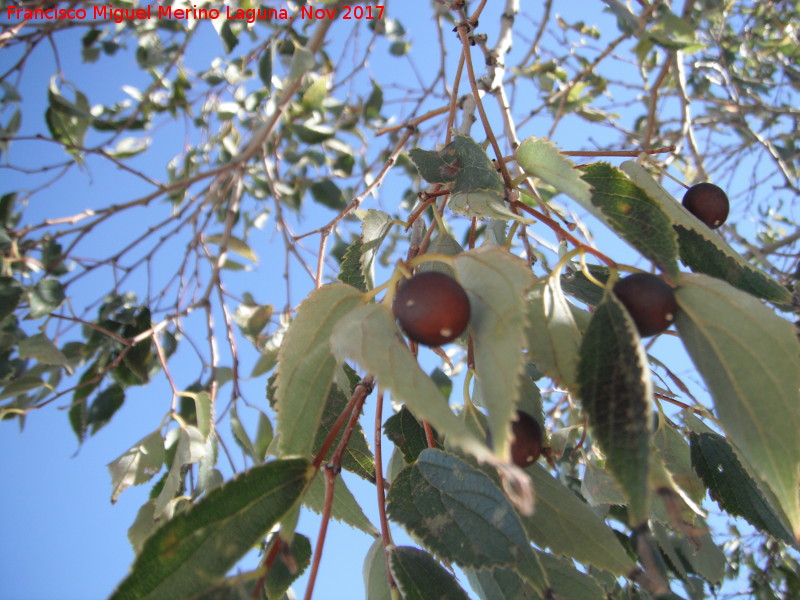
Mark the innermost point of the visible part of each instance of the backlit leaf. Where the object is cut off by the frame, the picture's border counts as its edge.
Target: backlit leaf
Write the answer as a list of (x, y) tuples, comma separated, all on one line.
[(632, 214), (616, 392), (345, 506), (541, 158), (750, 360), (195, 549)]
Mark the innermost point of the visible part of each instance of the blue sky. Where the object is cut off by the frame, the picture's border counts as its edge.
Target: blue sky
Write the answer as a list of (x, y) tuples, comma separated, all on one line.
[(62, 538)]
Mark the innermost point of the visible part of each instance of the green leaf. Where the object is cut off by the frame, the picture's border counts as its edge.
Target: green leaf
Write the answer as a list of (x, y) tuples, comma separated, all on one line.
[(46, 296), (368, 335), (316, 93), (103, 407), (701, 249), (577, 285), (350, 270), (375, 228), (43, 350), (459, 513), (195, 549), (420, 577), (128, 147), (67, 121), (407, 434), (440, 166), (750, 360), (327, 193), (374, 103), (190, 448), (496, 282), (357, 457), (731, 486), (478, 190), (252, 318), (312, 132), (568, 526), (376, 582), (541, 158), (633, 214), (704, 255), (240, 434), (11, 292), (234, 244), (265, 67), (567, 582), (306, 365), (673, 449), (138, 465), (553, 336), (281, 575), (224, 28), (499, 584), (616, 392), (302, 62), (21, 385), (140, 356), (345, 506), (203, 410)]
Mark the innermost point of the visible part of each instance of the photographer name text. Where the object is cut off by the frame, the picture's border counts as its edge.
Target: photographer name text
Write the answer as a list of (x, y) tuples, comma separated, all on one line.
[(107, 12)]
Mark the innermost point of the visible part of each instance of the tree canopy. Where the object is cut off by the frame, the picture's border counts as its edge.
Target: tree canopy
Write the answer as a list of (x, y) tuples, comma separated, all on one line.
[(220, 203)]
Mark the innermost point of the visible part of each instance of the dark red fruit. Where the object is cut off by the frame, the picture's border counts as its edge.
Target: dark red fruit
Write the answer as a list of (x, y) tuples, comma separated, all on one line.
[(708, 203), (649, 300), (527, 445), (432, 308)]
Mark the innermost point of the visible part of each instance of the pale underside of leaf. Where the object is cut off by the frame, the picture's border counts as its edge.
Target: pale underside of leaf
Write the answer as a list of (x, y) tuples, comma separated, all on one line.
[(369, 336), (541, 158), (306, 366), (496, 283), (750, 360), (553, 337), (143, 460)]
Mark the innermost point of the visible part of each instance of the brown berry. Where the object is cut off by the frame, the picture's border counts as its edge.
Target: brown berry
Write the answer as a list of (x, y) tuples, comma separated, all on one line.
[(649, 300), (432, 308), (707, 202), (527, 445)]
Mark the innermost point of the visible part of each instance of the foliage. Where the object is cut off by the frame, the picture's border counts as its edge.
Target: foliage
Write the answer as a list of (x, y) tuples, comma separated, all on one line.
[(463, 168)]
